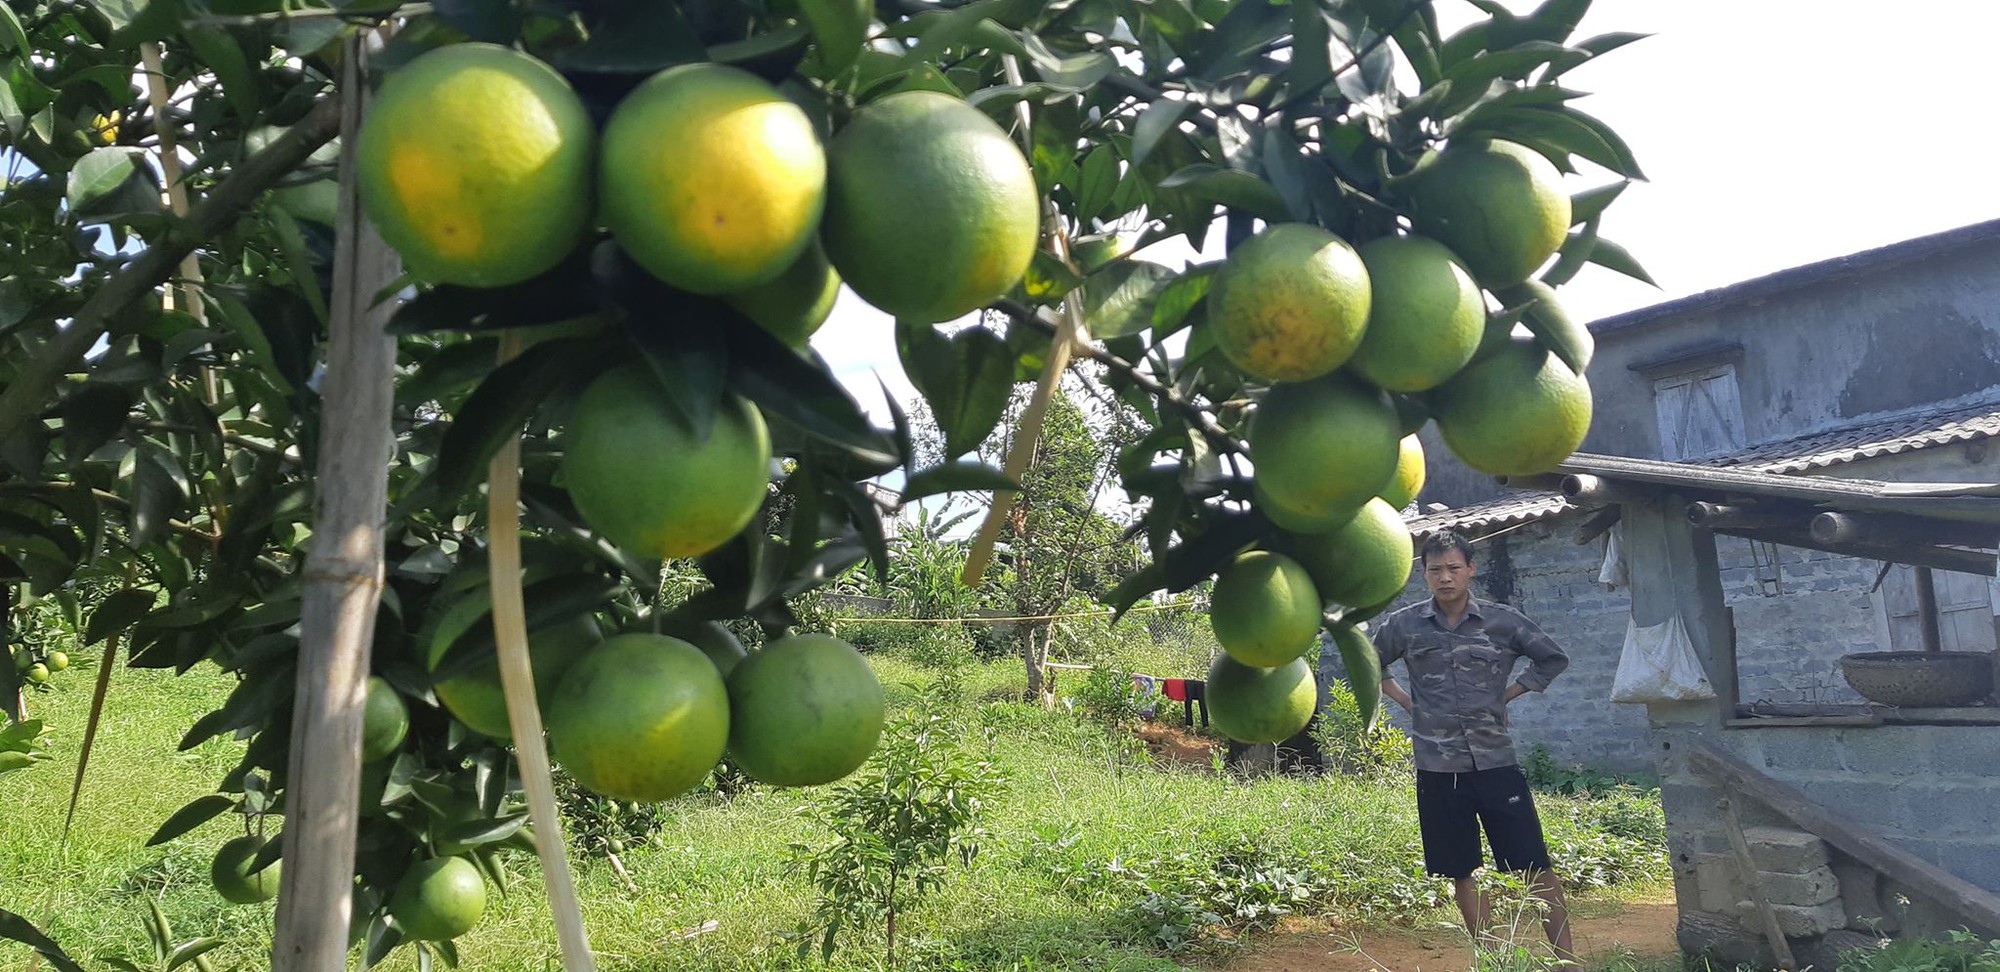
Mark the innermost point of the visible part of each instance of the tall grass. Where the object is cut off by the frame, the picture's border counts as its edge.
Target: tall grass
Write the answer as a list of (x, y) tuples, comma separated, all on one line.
[(1097, 857)]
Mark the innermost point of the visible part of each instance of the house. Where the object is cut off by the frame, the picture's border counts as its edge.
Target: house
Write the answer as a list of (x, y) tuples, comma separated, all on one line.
[(1796, 469), (1881, 365)]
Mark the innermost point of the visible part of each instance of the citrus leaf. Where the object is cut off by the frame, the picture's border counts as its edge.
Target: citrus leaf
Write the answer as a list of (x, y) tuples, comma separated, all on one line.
[(16, 928), (196, 813), (1592, 48), (565, 293), (1121, 299), (496, 411), (95, 180), (804, 392), (1611, 256), (967, 379), (956, 477), (1175, 305), (1195, 560), (1364, 672), (838, 27), (473, 833), (1236, 189), (12, 37), (689, 360), (1479, 70), (547, 602), (1591, 203), (1574, 254), (118, 612), (1159, 118), (635, 38)]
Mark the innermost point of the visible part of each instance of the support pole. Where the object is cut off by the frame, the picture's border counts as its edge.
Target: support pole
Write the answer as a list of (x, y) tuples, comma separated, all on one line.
[(344, 576), (1927, 610)]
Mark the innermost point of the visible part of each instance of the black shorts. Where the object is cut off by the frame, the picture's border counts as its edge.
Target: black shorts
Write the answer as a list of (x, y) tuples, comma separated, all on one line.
[(1451, 807)]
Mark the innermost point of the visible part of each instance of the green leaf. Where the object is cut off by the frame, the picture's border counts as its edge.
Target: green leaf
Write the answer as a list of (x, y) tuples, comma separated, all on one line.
[(1594, 47), (496, 411), (1591, 203), (1076, 72), (547, 602), (1278, 154), (1557, 132), (1195, 560), (685, 351), (219, 51), (1159, 118), (802, 391), (967, 379), (118, 612), (1233, 188), (93, 413), (773, 55), (1575, 252), (196, 813), (1479, 70), (12, 37), (634, 38), (1120, 300), (1175, 305), (97, 181), (956, 477), (16, 928), (1099, 181), (564, 294), (1611, 256), (474, 833), (190, 951), (838, 27)]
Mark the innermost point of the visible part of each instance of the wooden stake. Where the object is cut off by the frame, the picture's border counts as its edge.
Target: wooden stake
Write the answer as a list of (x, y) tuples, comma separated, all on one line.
[(1780, 948), (1070, 332), (344, 576), (517, 680), (154, 63)]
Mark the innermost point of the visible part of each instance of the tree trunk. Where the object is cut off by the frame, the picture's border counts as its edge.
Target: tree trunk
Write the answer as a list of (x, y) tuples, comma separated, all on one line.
[(10, 698), (344, 576), (1032, 659)]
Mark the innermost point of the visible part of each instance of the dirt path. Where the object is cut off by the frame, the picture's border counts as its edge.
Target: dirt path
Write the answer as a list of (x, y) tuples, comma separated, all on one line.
[(1603, 931)]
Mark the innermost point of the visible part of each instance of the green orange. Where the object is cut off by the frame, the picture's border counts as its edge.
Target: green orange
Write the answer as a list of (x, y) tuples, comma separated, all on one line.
[(794, 305), (1426, 315), (475, 165), (931, 211), (711, 179), (641, 717), (439, 899), (230, 872), (1260, 705), (804, 710), (1290, 304), (1363, 563), (1323, 447), (475, 697), (1264, 611), (1499, 205), (385, 720), (642, 477), (1517, 412)]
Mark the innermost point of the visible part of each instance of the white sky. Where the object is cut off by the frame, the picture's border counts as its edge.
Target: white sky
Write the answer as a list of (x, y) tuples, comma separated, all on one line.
[(1774, 133)]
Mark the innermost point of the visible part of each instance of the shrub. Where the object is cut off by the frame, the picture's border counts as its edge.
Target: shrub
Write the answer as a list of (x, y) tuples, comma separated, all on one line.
[(1381, 751)]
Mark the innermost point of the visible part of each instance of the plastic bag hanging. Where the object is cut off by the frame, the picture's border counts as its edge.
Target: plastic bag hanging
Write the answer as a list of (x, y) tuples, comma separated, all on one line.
[(1659, 664)]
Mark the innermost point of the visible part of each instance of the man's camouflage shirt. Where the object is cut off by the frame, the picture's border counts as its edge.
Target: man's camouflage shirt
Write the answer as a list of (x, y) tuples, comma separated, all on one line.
[(1458, 679)]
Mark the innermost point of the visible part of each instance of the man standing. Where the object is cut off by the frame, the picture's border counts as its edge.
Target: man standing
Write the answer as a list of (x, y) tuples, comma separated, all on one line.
[(1460, 654)]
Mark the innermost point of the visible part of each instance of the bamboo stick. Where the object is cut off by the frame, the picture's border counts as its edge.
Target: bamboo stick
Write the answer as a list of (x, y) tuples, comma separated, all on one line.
[(1069, 333), (517, 680), (344, 576)]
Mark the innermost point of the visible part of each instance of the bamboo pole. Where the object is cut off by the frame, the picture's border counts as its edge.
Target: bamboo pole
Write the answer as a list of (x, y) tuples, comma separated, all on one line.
[(153, 61), (344, 577), (517, 680), (1070, 333)]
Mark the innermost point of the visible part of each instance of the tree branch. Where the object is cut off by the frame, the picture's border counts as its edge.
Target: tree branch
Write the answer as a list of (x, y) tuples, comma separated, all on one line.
[(1198, 417), (24, 398)]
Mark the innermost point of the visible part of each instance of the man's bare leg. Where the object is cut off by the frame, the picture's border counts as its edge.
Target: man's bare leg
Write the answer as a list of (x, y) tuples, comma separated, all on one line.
[(1472, 906), (1547, 887)]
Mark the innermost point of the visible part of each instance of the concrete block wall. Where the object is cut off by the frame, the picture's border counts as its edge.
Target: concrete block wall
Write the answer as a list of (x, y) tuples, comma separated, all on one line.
[(1931, 790)]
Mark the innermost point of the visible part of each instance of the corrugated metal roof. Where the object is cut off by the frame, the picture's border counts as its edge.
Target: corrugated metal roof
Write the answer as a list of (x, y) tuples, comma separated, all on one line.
[(1817, 451), (1885, 438)]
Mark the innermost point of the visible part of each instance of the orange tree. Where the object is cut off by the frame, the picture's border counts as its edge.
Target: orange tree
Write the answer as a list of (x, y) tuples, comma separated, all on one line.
[(655, 198)]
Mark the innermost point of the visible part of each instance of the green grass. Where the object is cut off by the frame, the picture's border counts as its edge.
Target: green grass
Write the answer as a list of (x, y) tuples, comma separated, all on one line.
[(1096, 856)]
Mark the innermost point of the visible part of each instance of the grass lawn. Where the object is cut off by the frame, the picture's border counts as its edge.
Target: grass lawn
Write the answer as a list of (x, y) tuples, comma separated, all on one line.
[(1095, 857)]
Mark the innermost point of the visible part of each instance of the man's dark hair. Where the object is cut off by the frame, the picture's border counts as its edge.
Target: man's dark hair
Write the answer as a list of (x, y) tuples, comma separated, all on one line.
[(1444, 542)]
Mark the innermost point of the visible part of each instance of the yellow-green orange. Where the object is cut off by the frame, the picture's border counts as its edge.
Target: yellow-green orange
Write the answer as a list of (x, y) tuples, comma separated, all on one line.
[(1365, 562), (230, 872), (1290, 304), (793, 306), (1425, 315), (1292, 520), (38, 674), (475, 696), (1260, 705), (804, 710), (1264, 611), (931, 211), (642, 478), (475, 164), (1324, 447), (1515, 413), (1499, 205), (711, 179), (438, 899), (1409, 478), (385, 720), (640, 717)]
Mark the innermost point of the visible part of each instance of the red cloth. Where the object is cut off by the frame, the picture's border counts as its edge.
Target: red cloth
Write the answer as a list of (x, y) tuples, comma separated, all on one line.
[(1175, 689)]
